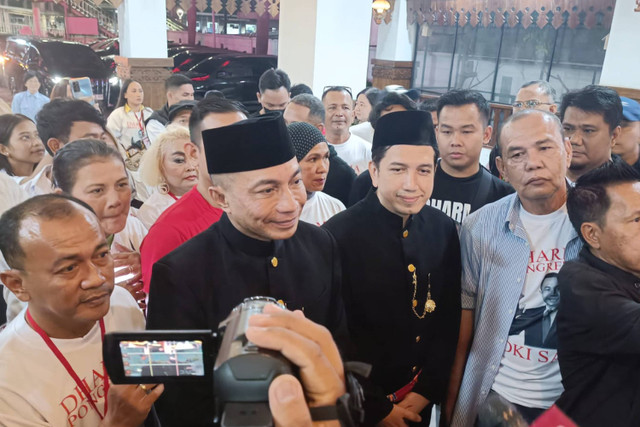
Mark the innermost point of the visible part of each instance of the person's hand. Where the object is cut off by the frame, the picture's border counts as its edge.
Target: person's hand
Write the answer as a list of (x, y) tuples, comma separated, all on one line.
[(128, 264), (308, 345), (129, 405), (289, 406), (398, 416), (414, 402)]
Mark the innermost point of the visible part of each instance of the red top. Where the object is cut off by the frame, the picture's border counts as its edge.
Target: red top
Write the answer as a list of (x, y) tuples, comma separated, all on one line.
[(189, 216)]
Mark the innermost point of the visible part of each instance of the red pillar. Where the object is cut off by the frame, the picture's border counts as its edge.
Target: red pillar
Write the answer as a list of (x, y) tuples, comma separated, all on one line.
[(262, 34), (191, 23), (36, 20)]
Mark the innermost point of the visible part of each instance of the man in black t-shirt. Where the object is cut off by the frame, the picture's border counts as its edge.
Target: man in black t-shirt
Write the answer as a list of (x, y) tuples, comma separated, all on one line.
[(461, 184)]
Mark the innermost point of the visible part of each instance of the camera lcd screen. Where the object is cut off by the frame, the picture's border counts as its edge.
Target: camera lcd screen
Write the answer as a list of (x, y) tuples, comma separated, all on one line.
[(150, 357), (162, 358)]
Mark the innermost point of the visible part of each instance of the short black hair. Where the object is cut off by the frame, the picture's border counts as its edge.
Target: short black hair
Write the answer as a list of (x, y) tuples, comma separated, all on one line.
[(212, 104), (274, 79), (176, 80), (595, 99), (429, 105), (378, 153), (458, 98), (47, 207), (315, 106), (389, 99), (28, 76), (588, 201), (76, 155), (56, 118), (299, 89)]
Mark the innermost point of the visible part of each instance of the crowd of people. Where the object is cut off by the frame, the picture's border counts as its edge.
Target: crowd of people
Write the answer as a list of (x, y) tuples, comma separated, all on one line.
[(501, 284)]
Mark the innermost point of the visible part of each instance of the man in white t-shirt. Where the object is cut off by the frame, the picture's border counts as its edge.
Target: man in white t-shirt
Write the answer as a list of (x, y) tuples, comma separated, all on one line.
[(312, 152), (512, 250), (338, 105), (51, 353), (12, 194)]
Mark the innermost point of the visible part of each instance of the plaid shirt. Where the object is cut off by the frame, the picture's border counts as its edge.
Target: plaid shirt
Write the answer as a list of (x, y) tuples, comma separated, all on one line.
[(495, 253)]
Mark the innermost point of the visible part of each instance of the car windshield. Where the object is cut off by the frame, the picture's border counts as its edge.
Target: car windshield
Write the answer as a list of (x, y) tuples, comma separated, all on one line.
[(60, 56)]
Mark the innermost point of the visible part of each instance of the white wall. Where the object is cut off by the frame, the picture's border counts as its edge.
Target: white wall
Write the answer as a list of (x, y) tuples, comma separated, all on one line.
[(297, 39), (325, 42), (622, 59), (142, 25), (395, 40)]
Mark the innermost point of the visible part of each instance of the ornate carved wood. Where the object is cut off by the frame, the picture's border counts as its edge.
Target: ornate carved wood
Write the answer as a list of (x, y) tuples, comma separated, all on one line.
[(511, 12)]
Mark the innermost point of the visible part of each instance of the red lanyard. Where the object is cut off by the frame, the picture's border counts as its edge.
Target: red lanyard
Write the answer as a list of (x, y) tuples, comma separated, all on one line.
[(140, 120), (68, 367), (172, 195)]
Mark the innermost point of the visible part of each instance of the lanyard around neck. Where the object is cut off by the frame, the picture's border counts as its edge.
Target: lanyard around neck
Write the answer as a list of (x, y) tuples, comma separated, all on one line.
[(54, 349), (139, 119)]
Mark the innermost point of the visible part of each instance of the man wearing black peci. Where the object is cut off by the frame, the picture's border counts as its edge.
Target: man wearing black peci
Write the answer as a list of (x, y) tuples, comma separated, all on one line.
[(401, 274), (258, 247)]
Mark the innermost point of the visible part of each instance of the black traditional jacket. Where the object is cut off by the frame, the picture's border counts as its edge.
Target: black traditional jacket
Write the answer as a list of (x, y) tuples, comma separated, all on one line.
[(197, 285), (379, 258)]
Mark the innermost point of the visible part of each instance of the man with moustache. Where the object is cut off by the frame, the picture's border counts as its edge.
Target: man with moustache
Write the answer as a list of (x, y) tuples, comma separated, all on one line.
[(508, 249), (591, 120), (338, 105), (536, 95), (307, 108), (599, 316), (401, 274), (51, 366), (258, 247)]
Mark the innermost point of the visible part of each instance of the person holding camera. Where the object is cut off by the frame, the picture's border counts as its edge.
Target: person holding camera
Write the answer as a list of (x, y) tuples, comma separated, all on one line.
[(51, 354), (258, 247), (51, 366)]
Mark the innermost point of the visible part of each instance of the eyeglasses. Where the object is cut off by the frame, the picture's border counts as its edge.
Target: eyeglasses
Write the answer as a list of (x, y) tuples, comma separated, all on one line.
[(532, 103), (336, 89)]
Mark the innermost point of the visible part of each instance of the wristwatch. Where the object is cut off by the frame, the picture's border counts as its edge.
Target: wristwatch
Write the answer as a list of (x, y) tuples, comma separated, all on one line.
[(349, 407)]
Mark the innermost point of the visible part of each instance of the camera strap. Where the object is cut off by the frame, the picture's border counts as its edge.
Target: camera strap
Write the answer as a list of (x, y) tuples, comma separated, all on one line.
[(63, 360)]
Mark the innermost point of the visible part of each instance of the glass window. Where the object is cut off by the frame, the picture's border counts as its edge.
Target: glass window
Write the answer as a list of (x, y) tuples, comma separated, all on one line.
[(497, 60)]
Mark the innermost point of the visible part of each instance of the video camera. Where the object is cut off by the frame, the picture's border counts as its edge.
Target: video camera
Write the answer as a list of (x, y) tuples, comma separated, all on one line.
[(241, 372)]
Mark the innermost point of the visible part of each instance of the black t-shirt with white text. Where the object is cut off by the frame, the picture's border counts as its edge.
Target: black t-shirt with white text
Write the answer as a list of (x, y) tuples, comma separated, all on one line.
[(458, 197)]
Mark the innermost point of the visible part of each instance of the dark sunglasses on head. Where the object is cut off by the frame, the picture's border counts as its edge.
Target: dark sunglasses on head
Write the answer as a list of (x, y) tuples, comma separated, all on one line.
[(337, 89)]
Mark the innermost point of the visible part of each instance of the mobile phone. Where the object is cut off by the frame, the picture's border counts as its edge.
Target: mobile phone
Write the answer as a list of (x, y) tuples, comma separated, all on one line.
[(149, 357), (81, 89)]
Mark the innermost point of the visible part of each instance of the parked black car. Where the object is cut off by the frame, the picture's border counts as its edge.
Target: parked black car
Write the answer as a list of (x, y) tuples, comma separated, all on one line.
[(106, 47), (188, 58), (53, 60), (236, 76)]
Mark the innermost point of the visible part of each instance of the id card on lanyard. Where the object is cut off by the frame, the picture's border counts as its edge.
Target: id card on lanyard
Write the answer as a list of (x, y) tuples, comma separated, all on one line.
[(72, 373), (142, 131)]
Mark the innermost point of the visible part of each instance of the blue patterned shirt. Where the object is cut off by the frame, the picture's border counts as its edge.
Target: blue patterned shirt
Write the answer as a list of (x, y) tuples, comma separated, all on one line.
[(495, 254)]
